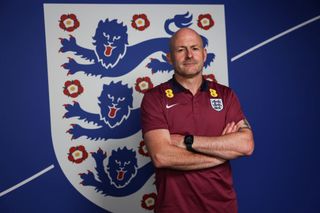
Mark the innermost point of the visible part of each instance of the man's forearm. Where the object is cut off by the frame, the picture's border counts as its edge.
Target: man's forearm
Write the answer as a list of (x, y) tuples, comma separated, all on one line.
[(236, 140), (181, 159), (227, 146)]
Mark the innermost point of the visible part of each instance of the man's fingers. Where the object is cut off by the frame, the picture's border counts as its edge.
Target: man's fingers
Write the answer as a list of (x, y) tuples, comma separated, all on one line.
[(225, 129), (234, 128), (230, 128)]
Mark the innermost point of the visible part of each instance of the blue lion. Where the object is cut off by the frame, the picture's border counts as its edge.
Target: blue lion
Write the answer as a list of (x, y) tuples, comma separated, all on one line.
[(116, 118), (121, 177), (113, 57)]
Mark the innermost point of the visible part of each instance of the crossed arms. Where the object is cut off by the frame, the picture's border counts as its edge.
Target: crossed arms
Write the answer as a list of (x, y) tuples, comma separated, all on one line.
[(168, 151)]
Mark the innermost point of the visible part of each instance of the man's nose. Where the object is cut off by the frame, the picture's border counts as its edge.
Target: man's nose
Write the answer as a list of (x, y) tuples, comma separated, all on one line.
[(189, 54)]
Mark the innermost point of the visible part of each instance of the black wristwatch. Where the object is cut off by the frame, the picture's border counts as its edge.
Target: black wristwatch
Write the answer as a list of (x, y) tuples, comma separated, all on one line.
[(188, 141)]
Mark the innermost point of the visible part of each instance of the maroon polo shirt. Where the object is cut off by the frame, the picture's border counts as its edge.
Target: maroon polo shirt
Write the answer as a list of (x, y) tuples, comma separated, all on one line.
[(171, 106)]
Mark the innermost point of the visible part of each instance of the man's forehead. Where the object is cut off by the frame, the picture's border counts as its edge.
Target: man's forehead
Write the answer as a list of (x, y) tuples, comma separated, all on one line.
[(186, 38)]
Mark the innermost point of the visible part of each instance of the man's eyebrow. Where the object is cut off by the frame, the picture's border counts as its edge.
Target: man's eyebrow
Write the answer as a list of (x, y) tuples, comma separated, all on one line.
[(183, 46)]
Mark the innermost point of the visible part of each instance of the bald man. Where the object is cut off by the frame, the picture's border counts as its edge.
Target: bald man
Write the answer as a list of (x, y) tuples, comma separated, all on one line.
[(192, 128)]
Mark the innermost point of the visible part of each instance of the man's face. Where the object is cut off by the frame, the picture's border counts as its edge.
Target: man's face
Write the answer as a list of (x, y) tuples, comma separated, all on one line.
[(187, 54)]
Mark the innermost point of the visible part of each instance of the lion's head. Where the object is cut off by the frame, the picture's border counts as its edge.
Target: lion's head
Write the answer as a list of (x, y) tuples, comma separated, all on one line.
[(122, 167), (115, 103), (111, 40)]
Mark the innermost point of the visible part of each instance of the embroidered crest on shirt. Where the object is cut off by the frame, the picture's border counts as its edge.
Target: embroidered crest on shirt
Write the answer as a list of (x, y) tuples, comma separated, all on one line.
[(217, 104)]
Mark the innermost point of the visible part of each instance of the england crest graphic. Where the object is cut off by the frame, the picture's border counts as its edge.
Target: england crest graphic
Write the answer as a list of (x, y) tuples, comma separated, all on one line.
[(101, 60)]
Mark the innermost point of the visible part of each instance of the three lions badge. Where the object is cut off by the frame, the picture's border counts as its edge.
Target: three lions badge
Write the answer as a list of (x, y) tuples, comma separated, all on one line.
[(101, 60), (216, 104)]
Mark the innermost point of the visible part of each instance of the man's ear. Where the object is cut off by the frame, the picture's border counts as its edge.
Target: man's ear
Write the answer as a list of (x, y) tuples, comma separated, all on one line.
[(204, 54), (169, 58)]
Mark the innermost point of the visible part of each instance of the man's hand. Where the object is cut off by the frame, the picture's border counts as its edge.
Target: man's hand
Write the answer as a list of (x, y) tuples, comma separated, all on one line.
[(230, 128)]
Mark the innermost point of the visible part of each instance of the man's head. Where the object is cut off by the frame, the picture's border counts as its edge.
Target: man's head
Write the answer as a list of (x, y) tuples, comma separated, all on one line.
[(187, 54)]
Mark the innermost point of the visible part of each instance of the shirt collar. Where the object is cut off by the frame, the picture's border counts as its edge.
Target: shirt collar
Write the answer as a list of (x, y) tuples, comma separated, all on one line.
[(177, 87)]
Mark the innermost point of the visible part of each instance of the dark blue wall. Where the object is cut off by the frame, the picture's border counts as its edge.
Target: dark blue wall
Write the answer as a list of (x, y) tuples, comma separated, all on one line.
[(278, 85)]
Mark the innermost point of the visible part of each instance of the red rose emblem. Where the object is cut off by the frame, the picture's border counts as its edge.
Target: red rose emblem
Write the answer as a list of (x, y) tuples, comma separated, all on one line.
[(148, 201), (143, 149), (140, 22), (72, 88), (77, 154), (143, 84), (205, 21), (69, 22), (210, 77)]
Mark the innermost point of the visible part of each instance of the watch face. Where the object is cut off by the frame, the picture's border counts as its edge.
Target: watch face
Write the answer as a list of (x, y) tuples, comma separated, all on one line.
[(188, 140)]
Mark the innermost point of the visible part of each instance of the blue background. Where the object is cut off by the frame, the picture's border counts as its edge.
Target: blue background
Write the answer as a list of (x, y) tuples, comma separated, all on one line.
[(278, 85)]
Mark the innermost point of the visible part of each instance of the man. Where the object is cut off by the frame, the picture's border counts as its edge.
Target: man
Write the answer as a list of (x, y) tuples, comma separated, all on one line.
[(192, 128)]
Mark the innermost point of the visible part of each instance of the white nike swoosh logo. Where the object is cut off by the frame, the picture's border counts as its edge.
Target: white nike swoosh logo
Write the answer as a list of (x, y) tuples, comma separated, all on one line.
[(170, 106)]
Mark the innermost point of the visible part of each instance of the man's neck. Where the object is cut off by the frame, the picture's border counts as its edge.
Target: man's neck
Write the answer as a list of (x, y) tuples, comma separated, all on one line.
[(193, 84)]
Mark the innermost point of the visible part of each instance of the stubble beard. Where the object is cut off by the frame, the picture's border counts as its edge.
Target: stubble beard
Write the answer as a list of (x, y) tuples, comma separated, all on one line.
[(185, 73), (189, 75)]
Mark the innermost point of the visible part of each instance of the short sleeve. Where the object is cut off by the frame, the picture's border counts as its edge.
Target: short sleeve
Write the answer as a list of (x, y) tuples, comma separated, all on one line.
[(233, 111), (152, 112)]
